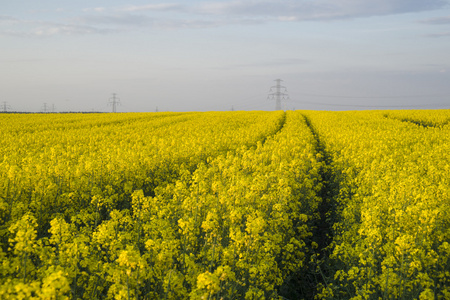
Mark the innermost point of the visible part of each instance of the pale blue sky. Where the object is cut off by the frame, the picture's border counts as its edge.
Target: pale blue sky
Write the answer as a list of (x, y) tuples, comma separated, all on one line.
[(215, 55)]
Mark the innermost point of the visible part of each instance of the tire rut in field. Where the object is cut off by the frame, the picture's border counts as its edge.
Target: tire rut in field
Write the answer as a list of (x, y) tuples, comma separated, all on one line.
[(281, 124), (254, 144), (420, 123), (173, 171), (328, 193), (318, 271)]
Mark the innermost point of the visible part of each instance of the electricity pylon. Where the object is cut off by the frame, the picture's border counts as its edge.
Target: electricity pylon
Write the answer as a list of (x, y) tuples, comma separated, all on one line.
[(44, 108), (279, 95), (114, 101), (5, 106)]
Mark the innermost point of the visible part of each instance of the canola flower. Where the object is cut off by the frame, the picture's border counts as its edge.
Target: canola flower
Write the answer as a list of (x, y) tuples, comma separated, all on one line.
[(66, 186), (225, 205), (426, 118), (391, 236)]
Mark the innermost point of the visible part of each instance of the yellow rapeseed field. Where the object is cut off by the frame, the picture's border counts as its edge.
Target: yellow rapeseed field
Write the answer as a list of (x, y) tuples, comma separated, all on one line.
[(225, 205)]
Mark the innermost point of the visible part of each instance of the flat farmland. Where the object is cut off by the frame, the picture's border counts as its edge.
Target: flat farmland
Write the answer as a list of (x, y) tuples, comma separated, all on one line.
[(226, 205)]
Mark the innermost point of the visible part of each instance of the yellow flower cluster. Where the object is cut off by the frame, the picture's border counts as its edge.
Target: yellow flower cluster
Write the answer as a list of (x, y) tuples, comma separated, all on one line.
[(240, 224), (392, 231), (427, 118), (67, 201)]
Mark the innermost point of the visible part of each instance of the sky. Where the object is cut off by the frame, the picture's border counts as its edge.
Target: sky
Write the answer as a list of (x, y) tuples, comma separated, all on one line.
[(224, 55)]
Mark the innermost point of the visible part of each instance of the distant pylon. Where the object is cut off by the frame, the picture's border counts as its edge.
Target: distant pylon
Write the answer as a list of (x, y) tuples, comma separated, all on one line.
[(45, 108), (114, 101), (278, 95), (5, 106)]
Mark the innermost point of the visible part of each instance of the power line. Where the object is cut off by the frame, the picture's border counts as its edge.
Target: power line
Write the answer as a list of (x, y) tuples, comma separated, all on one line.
[(371, 106), (375, 97), (254, 104), (250, 102)]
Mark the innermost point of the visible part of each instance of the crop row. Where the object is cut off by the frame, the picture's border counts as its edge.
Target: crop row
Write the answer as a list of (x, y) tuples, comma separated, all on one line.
[(392, 230), (63, 176), (425, 118)]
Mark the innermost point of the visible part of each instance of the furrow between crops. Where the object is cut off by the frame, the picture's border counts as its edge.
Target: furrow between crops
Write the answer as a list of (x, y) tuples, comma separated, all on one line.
[(421, 123), (281, 124), (323, 229)]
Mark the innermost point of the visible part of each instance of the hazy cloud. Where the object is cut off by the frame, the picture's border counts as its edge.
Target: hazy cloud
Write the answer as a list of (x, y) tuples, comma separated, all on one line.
[(8, 19), (131, 21), (30, 28), (117, 20), (141, 20), (154, 7), (291, 10), (438, 35), (67, 29), (95, 9), (276, 63), (249, 12), (207, 14), (437, 21), (47, 10)]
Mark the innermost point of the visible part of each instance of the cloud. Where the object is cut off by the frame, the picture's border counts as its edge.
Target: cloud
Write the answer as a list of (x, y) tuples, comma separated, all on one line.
[(265, 64), (437, 21), (153, 7), (133, 21), (116, 20), (250, 12), (67, 29), (276, 63), (438, 35), (292, 10), (95, 9), (47, 10), (8, 19), (31, 28), (128, 20), (209, 14)]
